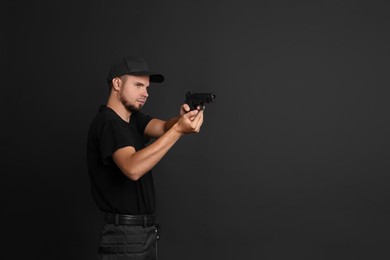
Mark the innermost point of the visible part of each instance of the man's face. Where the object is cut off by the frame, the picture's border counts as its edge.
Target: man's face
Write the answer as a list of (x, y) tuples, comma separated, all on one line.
[(133, 92)]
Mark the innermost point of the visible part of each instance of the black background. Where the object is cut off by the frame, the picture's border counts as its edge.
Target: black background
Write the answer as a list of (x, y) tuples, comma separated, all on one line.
[(293, 158)]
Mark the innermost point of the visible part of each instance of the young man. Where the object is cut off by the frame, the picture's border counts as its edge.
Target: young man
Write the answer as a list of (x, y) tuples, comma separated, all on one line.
[(120, 164)]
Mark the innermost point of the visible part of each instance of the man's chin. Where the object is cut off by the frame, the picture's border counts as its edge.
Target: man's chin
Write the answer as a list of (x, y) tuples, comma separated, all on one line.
[(133, 109)]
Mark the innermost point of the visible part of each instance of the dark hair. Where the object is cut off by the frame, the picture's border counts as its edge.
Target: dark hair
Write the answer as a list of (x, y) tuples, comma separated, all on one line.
[(123, 78)]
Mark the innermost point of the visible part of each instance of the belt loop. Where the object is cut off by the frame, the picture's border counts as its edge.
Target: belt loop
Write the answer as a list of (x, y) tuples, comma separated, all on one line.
[(116, 219), (145, 220)]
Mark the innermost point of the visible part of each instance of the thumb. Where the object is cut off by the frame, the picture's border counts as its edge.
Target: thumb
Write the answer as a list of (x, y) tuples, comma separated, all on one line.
[(186, 108), (192, 113)]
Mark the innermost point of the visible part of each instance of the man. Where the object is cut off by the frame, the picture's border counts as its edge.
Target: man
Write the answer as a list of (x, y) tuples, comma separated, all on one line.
[(120, 163)]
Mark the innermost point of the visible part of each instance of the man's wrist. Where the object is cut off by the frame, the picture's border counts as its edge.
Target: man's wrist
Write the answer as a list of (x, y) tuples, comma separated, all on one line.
[(177, 129)]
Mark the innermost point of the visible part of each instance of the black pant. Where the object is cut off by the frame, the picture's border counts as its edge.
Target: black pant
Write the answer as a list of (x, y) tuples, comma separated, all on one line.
[(126, 242)]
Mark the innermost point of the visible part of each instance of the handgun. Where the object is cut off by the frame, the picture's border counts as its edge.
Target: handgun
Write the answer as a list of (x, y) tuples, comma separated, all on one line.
[(195, 100)]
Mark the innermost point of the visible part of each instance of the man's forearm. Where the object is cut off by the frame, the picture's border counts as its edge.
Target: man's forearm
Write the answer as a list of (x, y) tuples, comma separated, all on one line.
[(169, 123), (138, 163)]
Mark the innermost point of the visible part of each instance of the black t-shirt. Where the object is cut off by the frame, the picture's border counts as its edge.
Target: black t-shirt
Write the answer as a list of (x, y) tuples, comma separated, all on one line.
[(111, 189)]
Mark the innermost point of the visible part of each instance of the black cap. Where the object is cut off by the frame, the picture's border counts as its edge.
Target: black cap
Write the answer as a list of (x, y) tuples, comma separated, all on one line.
[(131, 65)]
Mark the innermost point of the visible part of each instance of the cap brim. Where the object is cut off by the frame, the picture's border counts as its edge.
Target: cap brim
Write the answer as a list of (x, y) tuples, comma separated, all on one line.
[(157, 78)]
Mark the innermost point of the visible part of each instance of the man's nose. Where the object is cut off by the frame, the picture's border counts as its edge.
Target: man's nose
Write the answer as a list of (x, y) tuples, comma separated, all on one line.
[(145, 93)]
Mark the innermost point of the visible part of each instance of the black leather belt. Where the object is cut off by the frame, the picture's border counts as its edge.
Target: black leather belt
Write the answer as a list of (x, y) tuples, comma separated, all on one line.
[(131, 220)]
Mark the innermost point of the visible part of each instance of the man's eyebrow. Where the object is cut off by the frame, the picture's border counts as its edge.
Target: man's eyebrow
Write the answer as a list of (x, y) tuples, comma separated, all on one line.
[(140, 84)]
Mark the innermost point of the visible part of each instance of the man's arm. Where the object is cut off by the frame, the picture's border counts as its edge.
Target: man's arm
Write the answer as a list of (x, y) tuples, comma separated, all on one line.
[(156, 127), (134, 164)]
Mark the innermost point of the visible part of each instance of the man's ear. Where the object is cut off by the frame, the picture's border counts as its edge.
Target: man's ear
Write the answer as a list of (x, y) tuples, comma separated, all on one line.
[(116, 83)]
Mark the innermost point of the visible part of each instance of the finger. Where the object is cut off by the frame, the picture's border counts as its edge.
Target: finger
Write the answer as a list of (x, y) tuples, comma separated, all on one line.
[(186, 107), (201, 107), (198, 118), (199, 123), (191, 115)]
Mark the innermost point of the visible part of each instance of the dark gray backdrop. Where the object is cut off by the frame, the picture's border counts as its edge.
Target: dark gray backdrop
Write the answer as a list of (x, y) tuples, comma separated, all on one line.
[(293, 158)]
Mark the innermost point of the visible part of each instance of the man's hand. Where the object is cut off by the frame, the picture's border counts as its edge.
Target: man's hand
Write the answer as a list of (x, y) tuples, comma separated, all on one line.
[(189, 121), (156, 128)]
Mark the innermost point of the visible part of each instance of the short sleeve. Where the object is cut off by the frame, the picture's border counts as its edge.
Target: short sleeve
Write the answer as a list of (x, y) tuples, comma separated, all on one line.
[(143, 121), (114, 135)]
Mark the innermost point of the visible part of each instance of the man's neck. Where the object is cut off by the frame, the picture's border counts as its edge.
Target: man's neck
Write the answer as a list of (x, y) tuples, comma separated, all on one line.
[(120, 110)]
